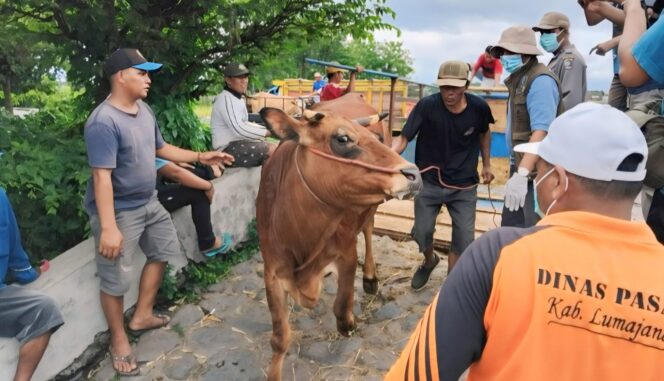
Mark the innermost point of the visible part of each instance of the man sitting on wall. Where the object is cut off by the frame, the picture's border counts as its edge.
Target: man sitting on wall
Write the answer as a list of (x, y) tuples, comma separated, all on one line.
[(27, 315)]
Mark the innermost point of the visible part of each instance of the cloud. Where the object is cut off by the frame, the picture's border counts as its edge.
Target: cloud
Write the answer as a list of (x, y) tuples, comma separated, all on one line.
[(435, 31)]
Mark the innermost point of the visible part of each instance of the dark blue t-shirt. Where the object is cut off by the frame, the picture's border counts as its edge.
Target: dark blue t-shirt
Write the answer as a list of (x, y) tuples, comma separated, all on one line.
[(449, 141), (127, 144)]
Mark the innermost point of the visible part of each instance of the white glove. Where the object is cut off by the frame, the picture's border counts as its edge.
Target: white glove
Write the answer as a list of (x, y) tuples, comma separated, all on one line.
[(516, 189)]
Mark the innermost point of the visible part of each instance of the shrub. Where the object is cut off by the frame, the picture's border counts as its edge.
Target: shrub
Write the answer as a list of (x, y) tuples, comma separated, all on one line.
[(44, 172)]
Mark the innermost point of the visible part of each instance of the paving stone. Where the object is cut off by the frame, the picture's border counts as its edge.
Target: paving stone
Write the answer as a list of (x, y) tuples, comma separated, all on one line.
[(377, 358), (245, 268), (155, 343), (187, 316), (305, 323), (320, 352), (181, 366), (223, 304), (209, 341), (389, 311), (241, 364)]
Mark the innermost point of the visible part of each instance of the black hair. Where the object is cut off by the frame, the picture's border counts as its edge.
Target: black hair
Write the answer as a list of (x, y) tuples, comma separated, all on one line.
[(330, 75), (616, 189), (488, 49)]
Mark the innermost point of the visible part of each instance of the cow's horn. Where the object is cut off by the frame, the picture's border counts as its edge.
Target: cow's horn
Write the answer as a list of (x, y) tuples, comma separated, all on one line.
[(367, 120), (312, 116), (383, 115)]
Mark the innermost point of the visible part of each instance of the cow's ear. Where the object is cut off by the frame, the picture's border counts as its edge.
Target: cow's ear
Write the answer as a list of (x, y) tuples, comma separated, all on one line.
[(279, 123), (313, 116)]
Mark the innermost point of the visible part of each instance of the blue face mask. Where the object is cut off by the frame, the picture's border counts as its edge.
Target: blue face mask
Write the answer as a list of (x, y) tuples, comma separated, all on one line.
[(549, 42), (511, 62), (539, 211)]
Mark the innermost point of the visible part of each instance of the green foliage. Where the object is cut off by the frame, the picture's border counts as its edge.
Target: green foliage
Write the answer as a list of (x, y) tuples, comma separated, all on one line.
[(43, 171), (289, 62), (187, 285), (180, 125)]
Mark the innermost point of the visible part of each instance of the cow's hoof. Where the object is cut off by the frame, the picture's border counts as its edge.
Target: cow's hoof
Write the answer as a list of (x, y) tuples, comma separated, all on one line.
[(346, 328), (370, 285)]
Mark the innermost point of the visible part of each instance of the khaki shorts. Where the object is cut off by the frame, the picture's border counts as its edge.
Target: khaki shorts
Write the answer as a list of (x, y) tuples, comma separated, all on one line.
[(148, 228)]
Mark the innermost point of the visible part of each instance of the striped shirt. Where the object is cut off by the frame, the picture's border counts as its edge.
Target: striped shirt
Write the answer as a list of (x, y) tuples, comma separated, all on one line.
[(230, 121), (580, 296)]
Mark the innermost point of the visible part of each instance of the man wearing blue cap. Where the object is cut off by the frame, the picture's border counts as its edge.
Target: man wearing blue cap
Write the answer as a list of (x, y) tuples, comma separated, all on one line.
[(122, 139)]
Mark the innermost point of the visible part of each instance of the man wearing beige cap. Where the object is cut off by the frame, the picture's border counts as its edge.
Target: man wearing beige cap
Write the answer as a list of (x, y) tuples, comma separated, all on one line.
[(452, 129), (534, 101), (567, 63), (333, 88)]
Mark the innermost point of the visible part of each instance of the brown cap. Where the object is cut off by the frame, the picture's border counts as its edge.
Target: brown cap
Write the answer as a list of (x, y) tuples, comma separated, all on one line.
[(552, 20), (453, 73), (518, 39), (332, 69)]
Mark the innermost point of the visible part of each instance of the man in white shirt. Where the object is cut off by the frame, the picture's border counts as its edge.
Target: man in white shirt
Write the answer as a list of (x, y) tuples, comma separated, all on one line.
[(231, 130)]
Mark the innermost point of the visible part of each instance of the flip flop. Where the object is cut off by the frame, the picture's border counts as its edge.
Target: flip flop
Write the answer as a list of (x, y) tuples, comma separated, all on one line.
[(165, 319), (226, 243), (129, 359)]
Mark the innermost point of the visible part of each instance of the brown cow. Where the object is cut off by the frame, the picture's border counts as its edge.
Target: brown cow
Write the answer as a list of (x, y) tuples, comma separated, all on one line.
[(353, 106), (315, 194)]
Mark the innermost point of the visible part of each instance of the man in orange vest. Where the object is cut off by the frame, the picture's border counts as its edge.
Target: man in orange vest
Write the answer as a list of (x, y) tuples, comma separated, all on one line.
[(579, 296)]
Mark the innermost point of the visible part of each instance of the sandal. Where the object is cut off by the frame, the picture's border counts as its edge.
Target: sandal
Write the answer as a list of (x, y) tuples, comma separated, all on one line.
[(129, 359), (165, 319), (226, 243)]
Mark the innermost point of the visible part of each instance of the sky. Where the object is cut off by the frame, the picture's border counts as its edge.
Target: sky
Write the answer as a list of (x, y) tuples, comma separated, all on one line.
[(434, 31)]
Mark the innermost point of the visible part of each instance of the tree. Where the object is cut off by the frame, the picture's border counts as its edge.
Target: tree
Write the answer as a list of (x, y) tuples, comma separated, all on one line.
[(195, 39), (23, 60), (289, 62)]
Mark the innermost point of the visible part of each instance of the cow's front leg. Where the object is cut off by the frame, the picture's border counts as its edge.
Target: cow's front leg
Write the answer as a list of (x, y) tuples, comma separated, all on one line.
[(277, 302), (369, 279), (343, 304)]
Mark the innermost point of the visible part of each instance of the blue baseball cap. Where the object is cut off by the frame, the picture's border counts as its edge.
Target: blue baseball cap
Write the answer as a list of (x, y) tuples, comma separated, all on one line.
[(125, 58)]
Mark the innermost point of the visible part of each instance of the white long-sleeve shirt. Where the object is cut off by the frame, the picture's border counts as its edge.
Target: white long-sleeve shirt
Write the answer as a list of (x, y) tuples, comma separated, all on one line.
[(230, 121)]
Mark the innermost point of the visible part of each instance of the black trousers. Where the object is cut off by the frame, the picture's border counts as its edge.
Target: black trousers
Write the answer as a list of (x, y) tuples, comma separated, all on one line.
[(523, 217), (175, 196)]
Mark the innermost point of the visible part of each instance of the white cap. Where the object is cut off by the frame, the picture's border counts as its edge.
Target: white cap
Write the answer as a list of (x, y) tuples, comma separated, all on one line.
[(591, 141)]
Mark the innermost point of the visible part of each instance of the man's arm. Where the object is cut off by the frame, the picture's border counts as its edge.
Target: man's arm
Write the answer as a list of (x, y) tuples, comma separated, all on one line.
[(485, 150), (607, 11), (604, 47), (476, 67), (110, 239), (173, 153), (631, 73), (542, 102), (451, 335), (351, 80), (184, 177), (592, 18), (230, 113)]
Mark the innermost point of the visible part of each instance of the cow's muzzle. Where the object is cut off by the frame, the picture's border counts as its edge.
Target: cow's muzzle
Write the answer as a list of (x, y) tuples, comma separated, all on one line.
[(413, 183)]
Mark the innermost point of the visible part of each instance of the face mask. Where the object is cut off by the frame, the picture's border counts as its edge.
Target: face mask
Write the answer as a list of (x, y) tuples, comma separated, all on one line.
[(511, 62), (538, 211), (549, 42)]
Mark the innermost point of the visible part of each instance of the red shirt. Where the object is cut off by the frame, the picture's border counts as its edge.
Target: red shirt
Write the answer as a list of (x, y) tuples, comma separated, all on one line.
[(330, 91), (488, 69)]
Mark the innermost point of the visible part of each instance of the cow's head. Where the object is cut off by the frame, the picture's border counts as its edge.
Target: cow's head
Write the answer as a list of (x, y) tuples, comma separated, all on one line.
[(356, 169)]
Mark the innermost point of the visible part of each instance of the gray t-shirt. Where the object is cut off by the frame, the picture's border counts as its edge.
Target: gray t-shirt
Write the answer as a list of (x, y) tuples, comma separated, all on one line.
[(127, 144)]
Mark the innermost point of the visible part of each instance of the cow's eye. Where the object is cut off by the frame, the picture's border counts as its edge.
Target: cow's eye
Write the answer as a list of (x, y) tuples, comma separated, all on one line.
[(343, 139)]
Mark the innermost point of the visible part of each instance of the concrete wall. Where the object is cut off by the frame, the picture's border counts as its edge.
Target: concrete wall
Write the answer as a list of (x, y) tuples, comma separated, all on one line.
[(72, 280)]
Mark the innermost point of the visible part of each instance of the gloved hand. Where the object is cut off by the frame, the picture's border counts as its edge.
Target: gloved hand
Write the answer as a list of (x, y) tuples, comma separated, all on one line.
[(515, 190)]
